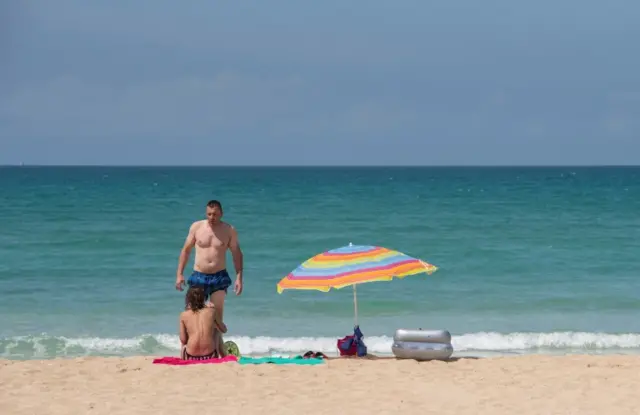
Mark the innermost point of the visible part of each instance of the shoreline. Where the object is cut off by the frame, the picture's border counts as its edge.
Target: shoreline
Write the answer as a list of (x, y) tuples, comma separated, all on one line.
[(333, 355), (485, 344), (531, 384)]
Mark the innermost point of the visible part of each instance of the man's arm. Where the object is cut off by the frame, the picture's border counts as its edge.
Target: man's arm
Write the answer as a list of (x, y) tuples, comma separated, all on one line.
[(236, 252), (189, 243)]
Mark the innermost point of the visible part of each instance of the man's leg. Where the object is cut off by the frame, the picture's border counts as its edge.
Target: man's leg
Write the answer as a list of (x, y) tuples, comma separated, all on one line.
[(222, 282), (217, 298)]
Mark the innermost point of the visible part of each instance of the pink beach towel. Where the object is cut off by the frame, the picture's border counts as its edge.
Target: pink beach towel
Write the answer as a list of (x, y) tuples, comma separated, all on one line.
[(176, 361)]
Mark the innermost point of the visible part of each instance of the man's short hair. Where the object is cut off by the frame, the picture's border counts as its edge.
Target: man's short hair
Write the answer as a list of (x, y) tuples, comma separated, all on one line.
[(214, 203)]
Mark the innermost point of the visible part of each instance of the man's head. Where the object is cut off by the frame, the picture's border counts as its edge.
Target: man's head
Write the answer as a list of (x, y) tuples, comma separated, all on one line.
[(214, 211), (195, 299)]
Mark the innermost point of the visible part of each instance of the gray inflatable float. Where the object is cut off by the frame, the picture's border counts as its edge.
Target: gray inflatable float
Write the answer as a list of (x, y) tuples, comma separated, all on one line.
[(422, 344)]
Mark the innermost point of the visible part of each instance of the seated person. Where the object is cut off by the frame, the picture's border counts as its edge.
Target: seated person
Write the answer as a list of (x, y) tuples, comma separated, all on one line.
[(200, 328)]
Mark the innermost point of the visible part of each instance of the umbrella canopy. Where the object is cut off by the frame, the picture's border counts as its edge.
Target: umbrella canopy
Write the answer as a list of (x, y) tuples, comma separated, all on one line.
[(350, 265)]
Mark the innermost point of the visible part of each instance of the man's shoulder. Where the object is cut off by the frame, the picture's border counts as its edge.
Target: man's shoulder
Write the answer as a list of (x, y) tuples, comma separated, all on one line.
[(197, 224), (225, 226)]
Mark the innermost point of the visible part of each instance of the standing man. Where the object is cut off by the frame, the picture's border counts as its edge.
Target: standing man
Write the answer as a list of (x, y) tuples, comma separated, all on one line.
[(211, 237)]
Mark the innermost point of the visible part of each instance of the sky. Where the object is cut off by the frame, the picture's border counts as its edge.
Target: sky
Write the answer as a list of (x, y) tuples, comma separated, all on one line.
[(494, 82)]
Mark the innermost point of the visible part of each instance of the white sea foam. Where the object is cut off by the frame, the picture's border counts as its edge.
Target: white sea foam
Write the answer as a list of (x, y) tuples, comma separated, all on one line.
[(481, 343)]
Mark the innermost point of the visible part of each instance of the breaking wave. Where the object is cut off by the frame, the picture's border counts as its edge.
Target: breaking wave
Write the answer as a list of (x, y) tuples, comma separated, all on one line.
[(44, 346)]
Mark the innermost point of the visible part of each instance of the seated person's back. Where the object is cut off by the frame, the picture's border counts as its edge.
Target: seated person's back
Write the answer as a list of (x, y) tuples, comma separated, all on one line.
[(197, 328)]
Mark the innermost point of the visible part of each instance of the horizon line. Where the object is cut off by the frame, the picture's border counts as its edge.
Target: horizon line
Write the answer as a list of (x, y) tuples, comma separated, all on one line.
[(218, 166)]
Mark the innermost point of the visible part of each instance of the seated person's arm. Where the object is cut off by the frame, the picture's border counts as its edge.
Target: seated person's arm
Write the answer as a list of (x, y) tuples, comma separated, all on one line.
[(184, 337), (217, 321)]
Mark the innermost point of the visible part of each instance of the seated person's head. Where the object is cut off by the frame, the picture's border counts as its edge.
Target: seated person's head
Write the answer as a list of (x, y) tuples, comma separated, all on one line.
[(195, 299)]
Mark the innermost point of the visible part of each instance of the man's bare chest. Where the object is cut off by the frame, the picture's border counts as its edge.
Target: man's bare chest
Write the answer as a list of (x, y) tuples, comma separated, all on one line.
[(209, 238)]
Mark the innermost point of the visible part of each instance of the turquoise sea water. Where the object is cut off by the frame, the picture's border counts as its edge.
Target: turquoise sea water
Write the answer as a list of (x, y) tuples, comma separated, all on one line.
[(532, 260)]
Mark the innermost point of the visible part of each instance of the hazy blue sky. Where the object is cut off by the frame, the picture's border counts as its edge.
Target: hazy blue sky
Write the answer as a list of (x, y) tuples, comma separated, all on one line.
[(322, 82)]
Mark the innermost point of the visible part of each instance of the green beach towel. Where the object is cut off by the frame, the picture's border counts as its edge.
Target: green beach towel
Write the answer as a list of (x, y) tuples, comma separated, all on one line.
[(278, 361)]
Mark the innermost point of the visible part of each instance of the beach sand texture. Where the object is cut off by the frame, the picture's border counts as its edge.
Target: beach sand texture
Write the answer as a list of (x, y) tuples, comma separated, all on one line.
[(526, 384)]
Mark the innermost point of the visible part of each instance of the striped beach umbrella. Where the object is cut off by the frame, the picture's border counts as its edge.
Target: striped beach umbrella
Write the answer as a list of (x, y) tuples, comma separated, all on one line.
[(352, 265)]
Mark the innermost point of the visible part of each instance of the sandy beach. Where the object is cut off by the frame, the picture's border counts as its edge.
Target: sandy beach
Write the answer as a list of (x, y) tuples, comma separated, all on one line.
[(527, 384)]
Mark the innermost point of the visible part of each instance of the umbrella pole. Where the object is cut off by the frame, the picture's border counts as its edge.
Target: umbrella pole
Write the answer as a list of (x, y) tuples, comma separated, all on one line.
[(355, 304)]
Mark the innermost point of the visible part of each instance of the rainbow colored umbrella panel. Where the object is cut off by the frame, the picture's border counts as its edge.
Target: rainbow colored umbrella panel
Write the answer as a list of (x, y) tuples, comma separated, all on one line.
[(352, 265)]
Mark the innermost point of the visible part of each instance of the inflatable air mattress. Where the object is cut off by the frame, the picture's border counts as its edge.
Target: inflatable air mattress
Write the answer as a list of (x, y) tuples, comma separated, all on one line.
[(422, 344)]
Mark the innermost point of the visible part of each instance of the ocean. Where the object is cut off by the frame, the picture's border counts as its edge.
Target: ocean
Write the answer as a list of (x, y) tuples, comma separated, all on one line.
[(531, 260)]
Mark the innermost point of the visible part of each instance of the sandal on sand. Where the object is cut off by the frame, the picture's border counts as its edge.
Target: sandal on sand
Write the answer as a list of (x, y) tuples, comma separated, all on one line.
[(314, 355)]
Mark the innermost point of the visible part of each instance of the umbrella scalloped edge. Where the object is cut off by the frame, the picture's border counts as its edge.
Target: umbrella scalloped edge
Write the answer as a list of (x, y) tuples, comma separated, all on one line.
[(429, 269)]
